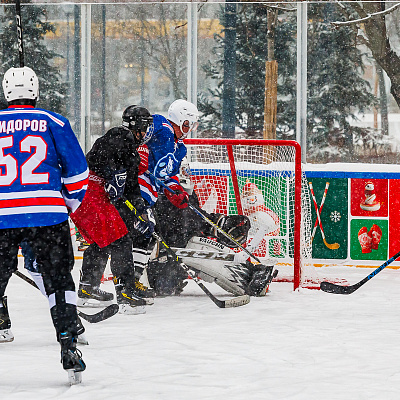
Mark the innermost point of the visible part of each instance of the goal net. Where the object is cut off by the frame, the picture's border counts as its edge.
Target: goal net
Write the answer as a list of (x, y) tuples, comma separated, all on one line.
[(263, 180)]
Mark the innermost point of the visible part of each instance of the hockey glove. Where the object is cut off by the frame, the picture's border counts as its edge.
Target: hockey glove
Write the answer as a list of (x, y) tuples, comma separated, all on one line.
[(180, 198), (236, 226), (145, 223), (116, 185)]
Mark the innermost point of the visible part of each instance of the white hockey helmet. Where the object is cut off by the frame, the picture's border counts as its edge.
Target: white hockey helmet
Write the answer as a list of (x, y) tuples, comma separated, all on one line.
[(185, 115), (20, 83)]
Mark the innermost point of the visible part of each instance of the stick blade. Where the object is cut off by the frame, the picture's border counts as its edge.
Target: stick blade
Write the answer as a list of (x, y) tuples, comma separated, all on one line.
[(329, 287), (237, 301), (102, 315), (331, 246)]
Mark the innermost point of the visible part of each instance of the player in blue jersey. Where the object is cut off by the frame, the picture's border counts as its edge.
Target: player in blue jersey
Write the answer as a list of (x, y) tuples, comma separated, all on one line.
[(43, 176), (166, 152)]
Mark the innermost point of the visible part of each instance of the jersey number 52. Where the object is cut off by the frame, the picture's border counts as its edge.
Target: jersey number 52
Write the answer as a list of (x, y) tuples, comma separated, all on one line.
[(9, 165)]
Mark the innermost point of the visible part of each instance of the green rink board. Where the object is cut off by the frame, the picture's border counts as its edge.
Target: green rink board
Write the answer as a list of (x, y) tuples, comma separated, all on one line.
[(334, 218), (355, 247)]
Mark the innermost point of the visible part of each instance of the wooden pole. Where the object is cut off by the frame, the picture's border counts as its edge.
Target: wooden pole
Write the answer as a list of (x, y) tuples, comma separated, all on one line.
[(270, 99)]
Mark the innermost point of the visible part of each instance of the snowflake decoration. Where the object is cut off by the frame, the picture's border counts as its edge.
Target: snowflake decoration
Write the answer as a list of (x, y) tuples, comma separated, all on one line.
[(335, 216)]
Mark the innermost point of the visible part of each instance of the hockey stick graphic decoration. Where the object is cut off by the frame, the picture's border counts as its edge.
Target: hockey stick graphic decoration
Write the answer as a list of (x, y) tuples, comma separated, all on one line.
[(102, 315), (338, 289), (320, 210), (201, 215), (332, 246), (234, 302)]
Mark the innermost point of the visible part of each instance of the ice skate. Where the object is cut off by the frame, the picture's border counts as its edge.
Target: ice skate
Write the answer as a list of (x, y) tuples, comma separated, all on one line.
[(93, 296), (143, 292), (71, 358), (81, 333), (5, 323), (83, 246), (128, 302)]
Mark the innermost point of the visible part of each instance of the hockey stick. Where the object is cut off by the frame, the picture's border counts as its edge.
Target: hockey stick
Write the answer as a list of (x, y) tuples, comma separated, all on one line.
[(19, 33), (337, 289), (332, 246), (235, 302), (320, 210), (26, 279), (201, 215), (102, 315)]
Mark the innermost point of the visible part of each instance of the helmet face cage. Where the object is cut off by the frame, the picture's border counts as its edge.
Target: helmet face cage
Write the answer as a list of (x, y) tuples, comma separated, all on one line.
[(20, 83), (141, 124), (149, 130), (190, 125)]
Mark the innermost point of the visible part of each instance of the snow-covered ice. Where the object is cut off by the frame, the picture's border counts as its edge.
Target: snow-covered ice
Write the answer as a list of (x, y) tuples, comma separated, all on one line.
[(301, 345)]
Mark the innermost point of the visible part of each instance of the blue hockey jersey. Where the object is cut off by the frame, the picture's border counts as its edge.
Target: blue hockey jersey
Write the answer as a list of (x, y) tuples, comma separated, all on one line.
[(165, 157), (42, 168)]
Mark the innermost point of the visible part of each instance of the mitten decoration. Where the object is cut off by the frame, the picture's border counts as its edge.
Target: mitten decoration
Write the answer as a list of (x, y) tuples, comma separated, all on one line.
[(365, 240)]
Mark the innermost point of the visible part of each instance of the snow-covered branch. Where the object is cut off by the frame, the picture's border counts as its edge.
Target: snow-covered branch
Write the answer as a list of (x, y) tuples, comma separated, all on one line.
[(369, 16)]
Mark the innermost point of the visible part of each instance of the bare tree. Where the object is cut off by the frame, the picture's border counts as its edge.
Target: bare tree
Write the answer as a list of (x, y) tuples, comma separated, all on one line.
[(369, 18), (164, 43)]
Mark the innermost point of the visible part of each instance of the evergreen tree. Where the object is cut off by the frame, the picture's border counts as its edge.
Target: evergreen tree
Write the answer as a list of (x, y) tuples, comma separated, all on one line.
[(336, 89), (251, 53), (37, 56)]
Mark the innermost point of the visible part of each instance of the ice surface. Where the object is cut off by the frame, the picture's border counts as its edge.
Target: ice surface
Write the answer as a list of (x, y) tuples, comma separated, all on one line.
[(289, 345)]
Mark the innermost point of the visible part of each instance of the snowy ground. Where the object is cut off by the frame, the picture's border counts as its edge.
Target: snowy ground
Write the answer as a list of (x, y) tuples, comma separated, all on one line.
[(289, 345)]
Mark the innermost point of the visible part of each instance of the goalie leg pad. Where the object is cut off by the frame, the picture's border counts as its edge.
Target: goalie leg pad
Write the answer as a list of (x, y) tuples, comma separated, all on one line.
[(260, 280), (232, 278), (214, 262)]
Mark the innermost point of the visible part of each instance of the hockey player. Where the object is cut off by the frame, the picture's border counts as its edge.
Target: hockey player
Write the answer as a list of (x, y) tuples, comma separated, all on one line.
[(45, 174), (166, 152), (104, 220)]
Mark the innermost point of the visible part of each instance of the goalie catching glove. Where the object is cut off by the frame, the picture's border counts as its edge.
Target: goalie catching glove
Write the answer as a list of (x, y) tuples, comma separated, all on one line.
[(236, 226), (180, 198)]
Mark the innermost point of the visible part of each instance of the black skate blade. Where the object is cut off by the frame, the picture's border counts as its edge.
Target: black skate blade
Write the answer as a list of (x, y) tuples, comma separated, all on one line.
[(101, 315), (92, 303), (74, 377)]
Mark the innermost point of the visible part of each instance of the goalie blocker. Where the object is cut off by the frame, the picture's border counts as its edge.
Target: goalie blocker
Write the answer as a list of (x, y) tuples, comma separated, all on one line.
[(214, 262)]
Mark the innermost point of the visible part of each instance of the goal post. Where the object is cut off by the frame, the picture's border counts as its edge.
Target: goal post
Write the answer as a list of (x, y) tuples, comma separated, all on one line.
[(262, 179)]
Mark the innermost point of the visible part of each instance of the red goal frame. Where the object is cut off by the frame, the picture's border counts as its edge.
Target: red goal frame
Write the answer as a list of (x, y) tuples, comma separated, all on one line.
[(229, 143)]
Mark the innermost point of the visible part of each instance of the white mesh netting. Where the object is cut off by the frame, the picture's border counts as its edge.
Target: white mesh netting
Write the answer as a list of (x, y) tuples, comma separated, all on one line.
[(258, 181)]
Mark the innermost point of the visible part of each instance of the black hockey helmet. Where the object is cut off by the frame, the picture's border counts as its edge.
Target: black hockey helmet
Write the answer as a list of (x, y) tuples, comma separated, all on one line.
[(138, 119)]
